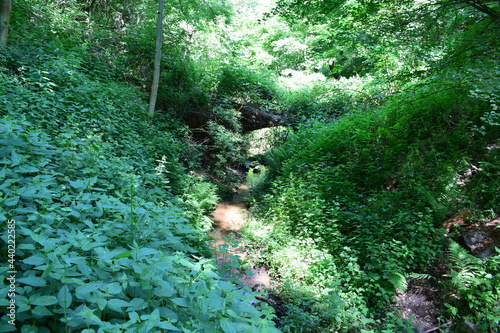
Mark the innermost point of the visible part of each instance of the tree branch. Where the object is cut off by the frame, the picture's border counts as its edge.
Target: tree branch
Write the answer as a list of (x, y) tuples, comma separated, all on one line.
[(482, 7), (26, 9)]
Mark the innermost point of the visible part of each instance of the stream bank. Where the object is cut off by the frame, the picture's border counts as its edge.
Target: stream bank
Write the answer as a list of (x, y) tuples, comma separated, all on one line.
[(232, 254)]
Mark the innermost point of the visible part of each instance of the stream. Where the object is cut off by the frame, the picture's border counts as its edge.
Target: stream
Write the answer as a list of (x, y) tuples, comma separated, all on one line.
[(231, 251)]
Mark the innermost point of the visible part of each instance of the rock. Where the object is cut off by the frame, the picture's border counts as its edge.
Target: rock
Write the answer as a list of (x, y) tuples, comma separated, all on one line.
[(489, 252), (473, 240), (420, 329)]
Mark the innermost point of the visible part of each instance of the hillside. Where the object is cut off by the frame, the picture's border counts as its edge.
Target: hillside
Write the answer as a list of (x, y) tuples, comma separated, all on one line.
[(368, 134)]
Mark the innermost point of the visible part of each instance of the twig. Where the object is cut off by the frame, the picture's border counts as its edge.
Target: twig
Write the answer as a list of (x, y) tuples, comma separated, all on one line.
[(26, 9), (264, 299)]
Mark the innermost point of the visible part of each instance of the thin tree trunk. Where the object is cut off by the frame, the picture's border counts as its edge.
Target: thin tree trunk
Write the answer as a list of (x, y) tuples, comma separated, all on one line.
[(5, 9), (156, 76)]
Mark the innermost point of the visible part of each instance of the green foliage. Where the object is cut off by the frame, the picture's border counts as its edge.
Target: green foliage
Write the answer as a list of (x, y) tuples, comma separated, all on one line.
[(199, 199), (307, 311), (374, 186), (110, 227), (242, 83), (82, 240), (107, 214), (321, 100), (476, 282), (400, 37)]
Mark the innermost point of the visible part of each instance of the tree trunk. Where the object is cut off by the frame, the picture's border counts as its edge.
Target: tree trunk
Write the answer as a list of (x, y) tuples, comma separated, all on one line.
[(5, 9), (253, 119), (156, 76)]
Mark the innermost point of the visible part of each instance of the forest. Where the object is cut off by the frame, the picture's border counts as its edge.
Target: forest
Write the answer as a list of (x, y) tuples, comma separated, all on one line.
[(366, 134)]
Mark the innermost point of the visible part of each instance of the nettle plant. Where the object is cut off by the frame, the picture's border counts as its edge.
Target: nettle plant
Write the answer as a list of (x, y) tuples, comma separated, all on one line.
[(92, 257)]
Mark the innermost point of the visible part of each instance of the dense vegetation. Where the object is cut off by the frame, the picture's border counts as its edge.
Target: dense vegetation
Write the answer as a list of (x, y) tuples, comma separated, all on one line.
[(390, 126), (403, 135), (109, 212)]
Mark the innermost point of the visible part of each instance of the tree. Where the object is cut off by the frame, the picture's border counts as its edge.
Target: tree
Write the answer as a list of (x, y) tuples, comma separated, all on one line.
[(156, 77), (5, 10), (397, 39)]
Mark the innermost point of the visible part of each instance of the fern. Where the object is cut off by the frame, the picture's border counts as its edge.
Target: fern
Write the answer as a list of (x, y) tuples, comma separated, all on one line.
[(400, 281), (461, 259), (476, 282), (466, 269), (420, 276)]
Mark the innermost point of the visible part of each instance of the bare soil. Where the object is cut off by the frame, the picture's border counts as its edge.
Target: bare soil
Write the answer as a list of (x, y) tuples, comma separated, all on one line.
[(425, 297)]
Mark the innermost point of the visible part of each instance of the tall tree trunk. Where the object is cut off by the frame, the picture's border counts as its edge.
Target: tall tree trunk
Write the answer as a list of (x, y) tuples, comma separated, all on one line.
[(5, 9), (156, 76)]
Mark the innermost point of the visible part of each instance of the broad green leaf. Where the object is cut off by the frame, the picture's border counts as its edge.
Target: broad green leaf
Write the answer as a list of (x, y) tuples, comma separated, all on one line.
[(101, 303), (164, 284), (231, 327), (232, 313), (29, 192), (14, 157), (134, 317), (162, 292), (145, 252), (23, 308), (105, 254), (37, 259), (12, 201), (87, 313), (180, 302), (124, 254), (226, 286), (26, 169), (215, 302), (167, 326), (41, 311), (26, 246), (29, 329), (34, 281), (64, 297), (112, 288), (155, 315), (44, 300), (85, 270), (87, 288), (186, 263), (168, 314), (211, 274), (137, 304), (77, 185), (116, 303), (6, 327)]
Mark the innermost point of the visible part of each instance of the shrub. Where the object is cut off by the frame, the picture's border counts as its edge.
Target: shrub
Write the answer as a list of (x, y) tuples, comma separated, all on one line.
[(372, 188), (98, 256)]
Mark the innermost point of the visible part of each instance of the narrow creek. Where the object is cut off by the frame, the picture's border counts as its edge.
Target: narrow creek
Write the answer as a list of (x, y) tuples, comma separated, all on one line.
[(231, 251)]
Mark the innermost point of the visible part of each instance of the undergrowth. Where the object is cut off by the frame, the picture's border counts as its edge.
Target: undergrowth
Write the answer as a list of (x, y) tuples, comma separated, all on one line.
[(355, 205), (109, 224)]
